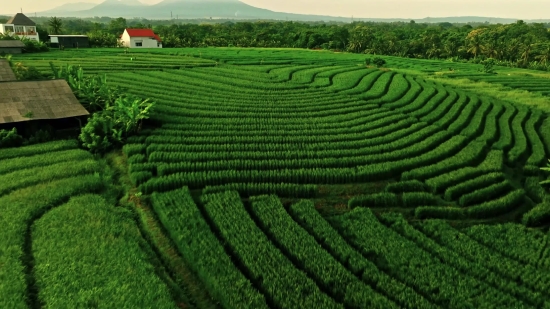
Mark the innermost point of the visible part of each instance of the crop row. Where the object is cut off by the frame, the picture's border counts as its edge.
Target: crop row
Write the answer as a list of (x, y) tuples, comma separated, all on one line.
[(534, 278), (42, 160), (382, 135), (496, 283), (443, 284), (302, 175), (306, 253), (288, 287), (468, 186), (27, 177), (484, 210), (253, 188), (38, 149), (493, 162), (378, 154), (18, 209), (388, 199), (530, 246), (193, 238), (304, 212), (98, 232)]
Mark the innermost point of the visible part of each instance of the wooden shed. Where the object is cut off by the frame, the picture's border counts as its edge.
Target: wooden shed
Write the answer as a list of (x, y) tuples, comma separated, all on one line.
[(6, 73), (69, 40), (38, 100), (11, 47)]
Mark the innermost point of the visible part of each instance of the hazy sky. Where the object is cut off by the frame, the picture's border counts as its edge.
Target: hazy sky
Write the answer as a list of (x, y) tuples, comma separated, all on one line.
[(523, 9)]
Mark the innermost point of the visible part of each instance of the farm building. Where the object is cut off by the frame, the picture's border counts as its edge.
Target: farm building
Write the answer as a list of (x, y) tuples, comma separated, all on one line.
[(23, 101), (11, 47), (140, 38), (20, 25), (69, 40), (6, 73)]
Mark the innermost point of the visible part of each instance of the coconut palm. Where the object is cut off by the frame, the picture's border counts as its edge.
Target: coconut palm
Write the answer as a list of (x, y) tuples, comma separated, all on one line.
[(55, 25), (475, 46), (544, 56), (527, 48)]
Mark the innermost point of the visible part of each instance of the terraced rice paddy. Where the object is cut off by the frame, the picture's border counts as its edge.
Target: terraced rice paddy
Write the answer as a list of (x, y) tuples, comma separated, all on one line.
[(59, 236), (292, 182)]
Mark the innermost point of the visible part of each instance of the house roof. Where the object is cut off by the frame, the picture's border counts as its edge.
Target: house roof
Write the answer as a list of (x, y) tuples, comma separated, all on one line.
[(6, 74), (47, 99), (69, 35), (143, 33), (21, 20), (11, 43)]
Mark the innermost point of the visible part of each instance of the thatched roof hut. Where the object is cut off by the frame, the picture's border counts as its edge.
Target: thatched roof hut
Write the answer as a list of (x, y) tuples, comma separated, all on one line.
[(6, 73), (30, 100)]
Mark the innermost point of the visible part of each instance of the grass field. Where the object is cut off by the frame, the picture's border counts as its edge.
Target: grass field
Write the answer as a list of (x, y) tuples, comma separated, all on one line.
[(272, 178)]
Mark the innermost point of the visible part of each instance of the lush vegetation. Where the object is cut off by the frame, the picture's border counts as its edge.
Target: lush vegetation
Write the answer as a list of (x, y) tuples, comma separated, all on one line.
[(115, 115), (519, 44), (286, 179)]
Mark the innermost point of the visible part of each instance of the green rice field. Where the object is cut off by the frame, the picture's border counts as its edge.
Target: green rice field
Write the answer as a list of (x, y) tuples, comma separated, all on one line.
[(281, 178)]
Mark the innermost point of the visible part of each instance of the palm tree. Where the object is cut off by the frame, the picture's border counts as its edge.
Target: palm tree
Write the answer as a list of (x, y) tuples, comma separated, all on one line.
[(527, 46), (544, 57), (491, 50), (475, 46), (55, 25)]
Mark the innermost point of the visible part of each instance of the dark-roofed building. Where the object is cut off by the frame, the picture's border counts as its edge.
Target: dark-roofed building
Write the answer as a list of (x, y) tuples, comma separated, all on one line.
[(21, 26), (33, 100), (69, 40), (40, 101), (11, 47), (6, 73)]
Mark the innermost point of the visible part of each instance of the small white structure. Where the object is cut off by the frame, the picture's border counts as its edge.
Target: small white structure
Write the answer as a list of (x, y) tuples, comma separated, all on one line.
[(21, 26), (140, 38)]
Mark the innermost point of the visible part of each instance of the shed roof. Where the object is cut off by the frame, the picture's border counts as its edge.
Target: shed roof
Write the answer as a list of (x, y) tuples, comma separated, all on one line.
[(6, 73), (21, 20), (48, 99), (143, 33), (11, 43), (69, 35)]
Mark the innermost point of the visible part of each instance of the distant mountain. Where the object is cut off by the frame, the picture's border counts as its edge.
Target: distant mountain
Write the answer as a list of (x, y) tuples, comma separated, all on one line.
[(225, 9), (70, 7)]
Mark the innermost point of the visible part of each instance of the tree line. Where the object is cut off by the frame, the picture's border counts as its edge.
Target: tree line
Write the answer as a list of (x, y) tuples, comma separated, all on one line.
[(520, 44)]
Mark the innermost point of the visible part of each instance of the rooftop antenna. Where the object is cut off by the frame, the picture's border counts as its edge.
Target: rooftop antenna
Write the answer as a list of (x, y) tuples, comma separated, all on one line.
[(21, 10)]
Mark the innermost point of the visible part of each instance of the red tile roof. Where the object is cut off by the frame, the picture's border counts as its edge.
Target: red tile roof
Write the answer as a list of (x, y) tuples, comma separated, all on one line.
[(142, 33)]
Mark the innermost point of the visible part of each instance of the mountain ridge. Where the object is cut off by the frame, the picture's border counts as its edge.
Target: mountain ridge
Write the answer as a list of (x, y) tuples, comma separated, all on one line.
[(225, 9)]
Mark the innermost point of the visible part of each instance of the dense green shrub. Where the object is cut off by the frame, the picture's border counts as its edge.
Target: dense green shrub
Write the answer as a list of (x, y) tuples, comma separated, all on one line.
[(10, 138), (415, 199), (384, 199), (115, 115), (407, 186), (537, 216)]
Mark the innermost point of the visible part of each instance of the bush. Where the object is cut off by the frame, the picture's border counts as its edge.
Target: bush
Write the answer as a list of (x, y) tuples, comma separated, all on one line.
[(547, 169), (407, 186), (116, 115), (96, 134), (384, 199), (10, 138), (537, 216), (379, 62), (488, 65), (26, 73)]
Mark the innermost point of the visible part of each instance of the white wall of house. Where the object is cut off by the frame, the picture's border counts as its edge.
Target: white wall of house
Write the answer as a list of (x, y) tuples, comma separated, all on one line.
[(21, 31), (139, 42)]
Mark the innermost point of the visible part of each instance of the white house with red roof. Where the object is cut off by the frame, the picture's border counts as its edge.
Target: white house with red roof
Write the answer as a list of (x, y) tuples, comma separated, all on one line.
[(140, 38)]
